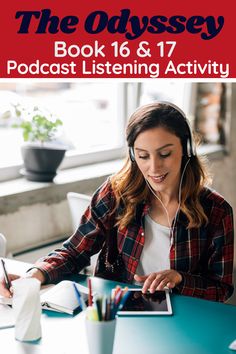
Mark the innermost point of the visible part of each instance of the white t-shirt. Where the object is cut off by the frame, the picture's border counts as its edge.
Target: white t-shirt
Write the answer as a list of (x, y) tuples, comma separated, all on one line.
[(156, 250)]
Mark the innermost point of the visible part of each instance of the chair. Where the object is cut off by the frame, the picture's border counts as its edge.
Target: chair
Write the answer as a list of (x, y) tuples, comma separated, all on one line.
[(77, 204), (3, 246)]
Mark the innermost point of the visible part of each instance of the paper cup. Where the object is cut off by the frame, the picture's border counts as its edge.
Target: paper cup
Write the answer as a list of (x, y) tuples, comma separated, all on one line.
[(100, 336)]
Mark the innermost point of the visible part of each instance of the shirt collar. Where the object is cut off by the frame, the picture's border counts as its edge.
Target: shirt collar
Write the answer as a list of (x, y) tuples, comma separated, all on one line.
[(145, 206)]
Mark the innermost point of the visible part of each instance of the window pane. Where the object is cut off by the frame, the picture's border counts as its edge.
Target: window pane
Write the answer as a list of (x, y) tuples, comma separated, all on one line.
[(90, 112), (167, 90)]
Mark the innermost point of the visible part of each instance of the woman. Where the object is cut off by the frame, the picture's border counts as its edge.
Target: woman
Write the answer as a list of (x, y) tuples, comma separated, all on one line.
[(155, 222)]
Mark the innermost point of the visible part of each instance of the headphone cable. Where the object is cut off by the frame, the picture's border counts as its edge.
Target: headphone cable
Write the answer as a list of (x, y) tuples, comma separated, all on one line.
[(164, 207)]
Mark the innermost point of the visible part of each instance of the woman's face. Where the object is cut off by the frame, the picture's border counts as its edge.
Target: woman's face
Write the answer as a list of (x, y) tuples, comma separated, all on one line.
[(158, 154)]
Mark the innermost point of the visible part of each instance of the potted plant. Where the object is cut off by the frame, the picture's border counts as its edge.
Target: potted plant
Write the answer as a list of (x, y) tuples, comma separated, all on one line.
[(41, 154)]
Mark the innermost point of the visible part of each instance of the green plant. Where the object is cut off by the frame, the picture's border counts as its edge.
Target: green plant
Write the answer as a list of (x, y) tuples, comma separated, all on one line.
[(39, 127)]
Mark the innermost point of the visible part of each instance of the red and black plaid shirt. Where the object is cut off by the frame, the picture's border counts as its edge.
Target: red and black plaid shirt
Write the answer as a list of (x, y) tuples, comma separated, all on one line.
[(203, 256)]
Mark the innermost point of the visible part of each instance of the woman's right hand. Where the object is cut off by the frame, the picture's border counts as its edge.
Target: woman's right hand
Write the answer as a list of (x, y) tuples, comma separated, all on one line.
[(33, 273), (3, 288)]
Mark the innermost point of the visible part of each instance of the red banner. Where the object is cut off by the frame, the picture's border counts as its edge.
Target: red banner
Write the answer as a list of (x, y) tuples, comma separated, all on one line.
[(123, 39)]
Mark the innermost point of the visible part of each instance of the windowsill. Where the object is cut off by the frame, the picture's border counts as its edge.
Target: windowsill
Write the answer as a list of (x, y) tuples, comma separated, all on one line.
[(21, 192)]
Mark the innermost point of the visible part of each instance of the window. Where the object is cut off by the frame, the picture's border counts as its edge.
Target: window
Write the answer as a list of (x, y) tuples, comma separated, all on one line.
[(92, 113), (176, 92), (207, 106)]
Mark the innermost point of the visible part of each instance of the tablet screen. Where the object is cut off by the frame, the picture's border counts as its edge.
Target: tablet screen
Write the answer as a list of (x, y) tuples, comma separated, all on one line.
[(147, 304)]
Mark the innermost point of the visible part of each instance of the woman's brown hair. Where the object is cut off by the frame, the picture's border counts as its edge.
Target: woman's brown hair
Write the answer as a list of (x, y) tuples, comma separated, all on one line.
[(129, 185)]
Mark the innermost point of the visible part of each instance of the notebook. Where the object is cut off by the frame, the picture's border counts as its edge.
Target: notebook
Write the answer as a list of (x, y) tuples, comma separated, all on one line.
[(60, 298)]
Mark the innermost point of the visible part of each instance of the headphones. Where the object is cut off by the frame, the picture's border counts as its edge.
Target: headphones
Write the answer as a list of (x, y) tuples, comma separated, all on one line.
[(190, 146)]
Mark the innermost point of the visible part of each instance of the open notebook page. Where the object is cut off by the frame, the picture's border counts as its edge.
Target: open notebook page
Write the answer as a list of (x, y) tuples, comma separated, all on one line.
[(6, 317)]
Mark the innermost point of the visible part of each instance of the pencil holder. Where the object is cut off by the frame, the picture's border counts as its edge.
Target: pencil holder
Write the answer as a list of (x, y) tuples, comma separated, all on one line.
[(100, 336)]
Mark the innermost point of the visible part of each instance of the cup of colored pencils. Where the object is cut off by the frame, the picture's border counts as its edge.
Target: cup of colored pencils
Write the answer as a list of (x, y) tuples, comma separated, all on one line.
[(101, 315)]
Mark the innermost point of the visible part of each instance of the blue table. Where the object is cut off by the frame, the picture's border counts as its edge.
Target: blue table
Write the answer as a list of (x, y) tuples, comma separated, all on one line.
[(197, 327)]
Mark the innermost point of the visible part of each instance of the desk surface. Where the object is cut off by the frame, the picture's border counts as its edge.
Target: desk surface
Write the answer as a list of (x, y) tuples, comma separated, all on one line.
[(196, 327)]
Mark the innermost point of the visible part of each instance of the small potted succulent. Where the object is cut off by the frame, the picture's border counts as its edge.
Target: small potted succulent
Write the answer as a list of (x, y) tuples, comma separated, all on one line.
[(41, 154)]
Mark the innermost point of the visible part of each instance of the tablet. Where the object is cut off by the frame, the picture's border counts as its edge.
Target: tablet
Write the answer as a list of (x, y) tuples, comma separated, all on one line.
[(138, 303)]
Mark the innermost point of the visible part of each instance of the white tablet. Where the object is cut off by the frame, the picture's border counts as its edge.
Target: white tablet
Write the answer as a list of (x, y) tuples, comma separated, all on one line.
[(138, 303)]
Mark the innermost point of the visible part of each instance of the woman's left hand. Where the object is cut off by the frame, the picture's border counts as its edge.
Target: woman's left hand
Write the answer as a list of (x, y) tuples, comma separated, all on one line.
[(159, 280)]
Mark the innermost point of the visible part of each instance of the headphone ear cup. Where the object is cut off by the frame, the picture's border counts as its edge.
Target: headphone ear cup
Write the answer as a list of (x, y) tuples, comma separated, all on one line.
[(189, 148), (131, 154)]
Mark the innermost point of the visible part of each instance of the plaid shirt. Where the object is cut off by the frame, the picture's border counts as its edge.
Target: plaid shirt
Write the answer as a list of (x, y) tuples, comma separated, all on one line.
[(203, 256)]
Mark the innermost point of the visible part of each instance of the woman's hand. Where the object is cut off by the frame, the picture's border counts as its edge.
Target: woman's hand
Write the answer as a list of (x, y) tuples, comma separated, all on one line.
[(3, 288), (159, 280), (33, 273)]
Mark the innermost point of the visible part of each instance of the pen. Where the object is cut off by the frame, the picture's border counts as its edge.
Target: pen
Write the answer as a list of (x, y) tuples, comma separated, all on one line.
[(79, 298), (90, 297), (99, 309), (118, 297), (123, 300), (7, 281)]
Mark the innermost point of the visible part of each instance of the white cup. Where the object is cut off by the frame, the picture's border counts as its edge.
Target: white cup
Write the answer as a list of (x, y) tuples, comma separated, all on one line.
[(100, 336), (27, 309)]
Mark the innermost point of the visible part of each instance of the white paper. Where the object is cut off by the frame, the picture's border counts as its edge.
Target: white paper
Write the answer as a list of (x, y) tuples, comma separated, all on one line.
[(8, 300), (5, 300), (27, 309), (7, 318)]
